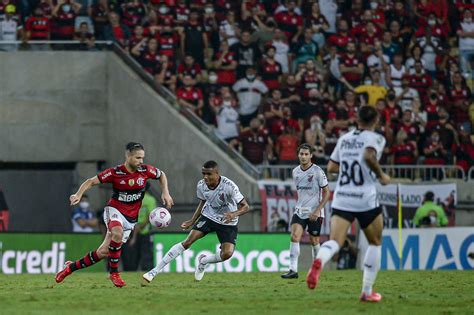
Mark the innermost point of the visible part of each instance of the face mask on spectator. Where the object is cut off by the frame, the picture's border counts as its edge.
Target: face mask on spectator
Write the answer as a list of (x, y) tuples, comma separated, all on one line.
[(433, 96), (468, 20), (391, 96), (368, 82), (374, 5), (66, 8), (208, 10), (213, 78), (432, 219), (431, 22), (250, 77), (435, 138), (227, 103), (163, 9), (84, 204)]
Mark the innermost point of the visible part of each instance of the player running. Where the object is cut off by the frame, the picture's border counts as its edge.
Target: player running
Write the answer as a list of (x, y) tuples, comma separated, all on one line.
[(120, 215), (220, 205), (355, 158), (313, 193)]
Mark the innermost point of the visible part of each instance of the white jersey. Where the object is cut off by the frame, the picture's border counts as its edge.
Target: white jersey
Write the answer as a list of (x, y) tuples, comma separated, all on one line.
[(356, 186), (224, 198), (396, 75), (308, 185)]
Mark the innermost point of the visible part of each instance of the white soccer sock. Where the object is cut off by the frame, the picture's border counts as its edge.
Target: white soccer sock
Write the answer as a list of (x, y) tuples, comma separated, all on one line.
[(174, 252), (315, 250), (371, 267), (212, 259), (327, 250), (294, 254)]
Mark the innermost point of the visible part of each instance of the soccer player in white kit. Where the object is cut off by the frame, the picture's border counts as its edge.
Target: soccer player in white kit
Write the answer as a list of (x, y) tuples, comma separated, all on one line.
[(355, 158), (313, 193), (220, 205)]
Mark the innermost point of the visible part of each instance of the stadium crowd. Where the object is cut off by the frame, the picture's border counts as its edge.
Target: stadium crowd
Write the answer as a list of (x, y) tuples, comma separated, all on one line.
[(273, 74)]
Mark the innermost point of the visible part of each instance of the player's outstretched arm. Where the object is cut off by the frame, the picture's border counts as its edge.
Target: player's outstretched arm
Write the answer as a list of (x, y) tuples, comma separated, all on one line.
[(243, 208), (370, 157), (187, 224), (86, 185), (165, 193)]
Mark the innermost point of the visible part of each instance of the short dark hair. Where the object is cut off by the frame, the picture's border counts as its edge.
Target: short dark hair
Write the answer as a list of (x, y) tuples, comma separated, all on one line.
[(429, 196), (305, 146), (367, 114), (134, 146), (210, 164)]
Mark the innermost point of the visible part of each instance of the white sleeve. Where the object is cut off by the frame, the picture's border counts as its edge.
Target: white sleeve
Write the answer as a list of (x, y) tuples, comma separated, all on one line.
[(199, 192), (237, 86), (377, 143), (262, 87), (235, 193), (335, 154), (323, 180)]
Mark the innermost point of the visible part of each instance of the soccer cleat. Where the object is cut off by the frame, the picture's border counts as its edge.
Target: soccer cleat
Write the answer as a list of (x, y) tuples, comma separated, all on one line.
[(200, 269), (116, 280), (374, 297), (290, 275), (64, 273), (148, 277), (314, 273)]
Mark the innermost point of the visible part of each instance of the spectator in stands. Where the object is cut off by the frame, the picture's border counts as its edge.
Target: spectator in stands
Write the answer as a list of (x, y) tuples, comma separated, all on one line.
[(419, 80), (10, 30), (146, 52), (254, 143), (99, 14), (85, 37), (38, 27), (404, 152), (83, 220), (64, 14), (430, 214), (435, 154), (249, 92), (318, 24), (247, 54), (290, 22), (407, 95), (116, 31), (286, 146), (264, 33), (308, 78), (227, 117), (225, 64), (459, 95), (416, 53), (306, 49), (466, 41), (191, 68), (314, 135), (229, 29), (465, 150), (371, 86), (194, 41), (352, 68), (165, 74), (270, 69), (280, 42), (133, 13), (189, 96)]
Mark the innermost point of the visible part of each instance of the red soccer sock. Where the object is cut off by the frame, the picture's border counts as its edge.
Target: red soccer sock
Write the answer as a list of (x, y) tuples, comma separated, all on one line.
[(88, 260), (115, 249)]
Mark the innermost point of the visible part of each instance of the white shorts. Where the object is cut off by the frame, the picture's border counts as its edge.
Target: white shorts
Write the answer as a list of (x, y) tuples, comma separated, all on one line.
[(112, 214)]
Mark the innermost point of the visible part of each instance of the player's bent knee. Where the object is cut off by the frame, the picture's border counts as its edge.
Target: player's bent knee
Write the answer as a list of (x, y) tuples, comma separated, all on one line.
[(187, 243), (295, 238)]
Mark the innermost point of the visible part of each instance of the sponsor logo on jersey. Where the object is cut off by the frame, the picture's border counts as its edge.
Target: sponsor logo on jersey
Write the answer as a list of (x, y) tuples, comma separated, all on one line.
[(351, 144), (200, 224), (140, 181), (131, 182), (153, 171), (122, 182), (119, 172), (129, 197), (106, 175)]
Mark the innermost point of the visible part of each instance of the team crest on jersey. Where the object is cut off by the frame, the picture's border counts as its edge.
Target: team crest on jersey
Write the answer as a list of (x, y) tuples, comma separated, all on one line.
[(310, 178), (140, 181), (131, 182), (221, 197)]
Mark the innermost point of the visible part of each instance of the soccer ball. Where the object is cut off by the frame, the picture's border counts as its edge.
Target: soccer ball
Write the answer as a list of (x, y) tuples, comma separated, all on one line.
[(160, 218)]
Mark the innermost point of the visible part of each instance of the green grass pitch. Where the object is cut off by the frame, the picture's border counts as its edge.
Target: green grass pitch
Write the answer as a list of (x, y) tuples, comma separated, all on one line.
[(407, 292)]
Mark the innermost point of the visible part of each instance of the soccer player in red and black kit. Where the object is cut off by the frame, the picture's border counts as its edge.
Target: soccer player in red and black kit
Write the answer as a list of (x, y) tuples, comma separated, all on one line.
[(121, 213)]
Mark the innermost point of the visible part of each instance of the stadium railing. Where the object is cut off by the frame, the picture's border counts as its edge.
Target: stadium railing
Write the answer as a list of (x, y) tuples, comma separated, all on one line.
[(470, 174), (148, 78), (409, 173)]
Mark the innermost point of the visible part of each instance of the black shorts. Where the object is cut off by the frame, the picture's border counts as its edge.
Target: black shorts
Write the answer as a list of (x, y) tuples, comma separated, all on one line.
[(365, 218), (225, 233), (314, 227)]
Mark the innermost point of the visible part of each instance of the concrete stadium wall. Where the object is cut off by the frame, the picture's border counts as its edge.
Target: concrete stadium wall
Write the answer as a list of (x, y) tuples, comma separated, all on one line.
[(84, 106), (53, 106)]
